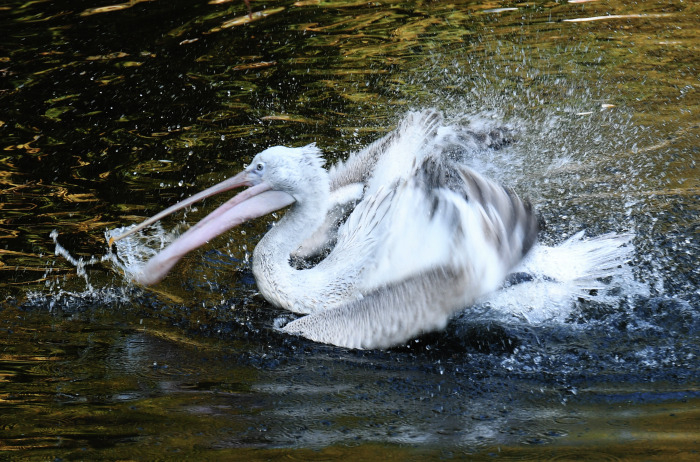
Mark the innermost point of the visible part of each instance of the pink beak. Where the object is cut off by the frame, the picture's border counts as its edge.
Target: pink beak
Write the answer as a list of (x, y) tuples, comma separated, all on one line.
[(254, 202)]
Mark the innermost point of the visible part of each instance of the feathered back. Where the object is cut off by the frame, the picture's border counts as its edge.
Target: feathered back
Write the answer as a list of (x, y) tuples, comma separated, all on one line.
[(312, 155)]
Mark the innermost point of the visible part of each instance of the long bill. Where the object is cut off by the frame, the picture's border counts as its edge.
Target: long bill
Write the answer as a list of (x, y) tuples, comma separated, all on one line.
[(231, 183), (254, 202)]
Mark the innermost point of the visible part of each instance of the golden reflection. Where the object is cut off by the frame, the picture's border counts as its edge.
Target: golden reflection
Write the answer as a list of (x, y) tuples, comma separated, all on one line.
[(81, 198), (413, 30), (111, 8), (619, 16), (115, 55), (289, 118), (23, 358), (332, 4), (130, 64), (55, 113), (353, 23), (247, 19), (68, 221), (8, 233), (17, 208), (23, 254), (31, 3), (171, 297), (23, 268), (110, 79), (26, 146), (62, 98), (48, 70), (176, 336), (24, 443), (241, 67)]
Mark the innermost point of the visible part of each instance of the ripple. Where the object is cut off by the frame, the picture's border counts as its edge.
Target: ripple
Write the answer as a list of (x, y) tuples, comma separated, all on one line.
[(570, 420)]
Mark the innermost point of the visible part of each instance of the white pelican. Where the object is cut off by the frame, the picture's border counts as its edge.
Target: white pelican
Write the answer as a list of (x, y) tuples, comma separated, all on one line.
[(426, 237)]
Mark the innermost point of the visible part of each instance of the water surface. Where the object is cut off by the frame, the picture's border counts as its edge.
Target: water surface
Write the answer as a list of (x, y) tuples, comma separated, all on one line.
[(112, 112)]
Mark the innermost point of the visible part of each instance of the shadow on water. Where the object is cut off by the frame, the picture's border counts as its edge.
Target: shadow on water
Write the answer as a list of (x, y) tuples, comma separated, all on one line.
[(112, 112)]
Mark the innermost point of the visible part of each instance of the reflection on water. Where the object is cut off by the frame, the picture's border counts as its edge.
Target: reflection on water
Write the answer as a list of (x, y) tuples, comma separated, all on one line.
[(112, 112)]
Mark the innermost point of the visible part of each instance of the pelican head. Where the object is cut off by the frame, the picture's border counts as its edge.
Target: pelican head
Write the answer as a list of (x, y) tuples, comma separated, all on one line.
[(276, 178), (296, 171)]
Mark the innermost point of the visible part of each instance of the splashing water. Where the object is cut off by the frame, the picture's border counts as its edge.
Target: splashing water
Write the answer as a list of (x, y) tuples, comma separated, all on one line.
[(79, 263), (546, 286), (551, 279), (136, 249), (58, 295), (131, 254)]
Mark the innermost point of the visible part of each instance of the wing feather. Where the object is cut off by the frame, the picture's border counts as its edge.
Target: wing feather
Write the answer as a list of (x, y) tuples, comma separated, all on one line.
[(389, 315)]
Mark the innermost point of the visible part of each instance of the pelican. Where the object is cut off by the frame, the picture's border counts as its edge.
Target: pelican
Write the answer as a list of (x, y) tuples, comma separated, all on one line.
[(425, 235)]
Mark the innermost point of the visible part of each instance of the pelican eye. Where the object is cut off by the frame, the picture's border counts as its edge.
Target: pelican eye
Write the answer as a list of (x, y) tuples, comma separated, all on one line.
[(260, 167)]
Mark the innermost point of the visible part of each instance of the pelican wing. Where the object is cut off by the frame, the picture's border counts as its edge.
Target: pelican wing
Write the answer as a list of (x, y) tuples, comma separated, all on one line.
[(349, 178), (448, 236), (446, 214), (389, 315), (391, 159), (359, 237), (416, 127)]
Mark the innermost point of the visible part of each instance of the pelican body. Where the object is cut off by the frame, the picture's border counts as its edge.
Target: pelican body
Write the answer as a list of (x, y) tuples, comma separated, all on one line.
[(412, 235)]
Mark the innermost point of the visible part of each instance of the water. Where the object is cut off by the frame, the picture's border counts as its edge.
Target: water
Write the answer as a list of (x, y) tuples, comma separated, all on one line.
[(109, 115)]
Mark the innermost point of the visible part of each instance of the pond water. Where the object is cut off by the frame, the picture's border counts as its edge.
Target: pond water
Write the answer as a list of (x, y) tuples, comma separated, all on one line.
[(111, 112)]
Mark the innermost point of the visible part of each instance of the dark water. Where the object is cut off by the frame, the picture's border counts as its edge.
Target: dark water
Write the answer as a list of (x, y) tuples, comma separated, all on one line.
[(109, 113)]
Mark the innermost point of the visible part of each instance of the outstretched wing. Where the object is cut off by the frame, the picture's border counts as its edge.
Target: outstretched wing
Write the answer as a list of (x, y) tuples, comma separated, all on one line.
[(350, 179), (446, 214), (425, 249), (414, 130)]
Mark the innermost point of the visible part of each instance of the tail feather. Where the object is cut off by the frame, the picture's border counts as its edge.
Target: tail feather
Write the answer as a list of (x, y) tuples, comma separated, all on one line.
[(578, 268), (581, 260)]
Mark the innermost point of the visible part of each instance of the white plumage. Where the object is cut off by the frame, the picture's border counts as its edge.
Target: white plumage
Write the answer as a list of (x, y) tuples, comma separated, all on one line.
[(425, 235)]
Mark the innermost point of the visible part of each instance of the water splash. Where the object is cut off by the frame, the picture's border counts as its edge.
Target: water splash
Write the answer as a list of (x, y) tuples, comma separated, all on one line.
[(552, 279), (79, 263), (129, 257), (136, 249), (56, 294)]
